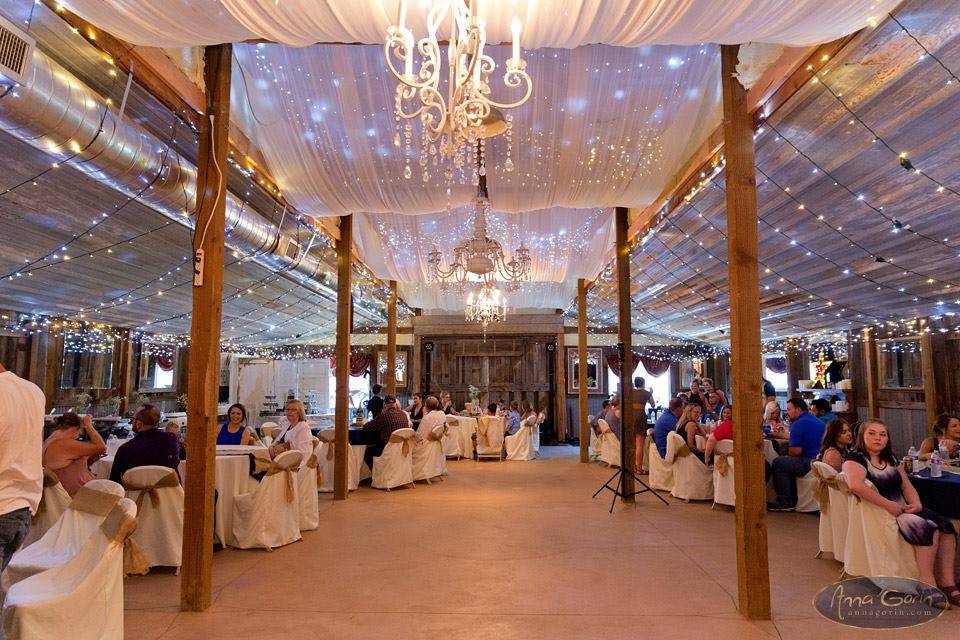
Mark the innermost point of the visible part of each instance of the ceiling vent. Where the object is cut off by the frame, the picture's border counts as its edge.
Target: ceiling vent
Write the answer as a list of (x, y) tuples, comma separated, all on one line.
[(16, 50)]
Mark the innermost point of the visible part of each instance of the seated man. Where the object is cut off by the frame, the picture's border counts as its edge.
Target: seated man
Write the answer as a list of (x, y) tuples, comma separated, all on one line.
[(433, 418), (821, 409), (603, 411), (389, 420), (806, 433), (513, 418), (667, 423), (151, 446)]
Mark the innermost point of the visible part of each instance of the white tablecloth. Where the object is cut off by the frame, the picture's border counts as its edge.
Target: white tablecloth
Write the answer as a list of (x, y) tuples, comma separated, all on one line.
[(769, 451), (467, 427), (232, 478)]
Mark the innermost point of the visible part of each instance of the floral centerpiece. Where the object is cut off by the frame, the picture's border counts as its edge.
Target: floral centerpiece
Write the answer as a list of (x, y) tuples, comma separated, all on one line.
[(474, 406), (82, 402)]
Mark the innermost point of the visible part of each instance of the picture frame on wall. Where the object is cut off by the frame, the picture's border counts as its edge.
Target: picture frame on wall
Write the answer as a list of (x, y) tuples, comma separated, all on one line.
[(594, 370)]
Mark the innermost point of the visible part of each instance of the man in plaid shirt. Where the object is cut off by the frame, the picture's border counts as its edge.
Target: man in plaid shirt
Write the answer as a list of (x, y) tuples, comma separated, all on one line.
[(380, 428)]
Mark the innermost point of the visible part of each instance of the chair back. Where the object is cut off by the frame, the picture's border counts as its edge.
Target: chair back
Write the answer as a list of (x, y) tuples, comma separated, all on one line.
[(160, 519), (327, 435), (452, 420), (437, 432), (604, 426), (489, 435), (288, 460), (676, 447), (267, 428)]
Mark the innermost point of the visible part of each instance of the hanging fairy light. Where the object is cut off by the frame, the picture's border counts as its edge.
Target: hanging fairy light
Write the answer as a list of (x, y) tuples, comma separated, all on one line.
[(453, 126)]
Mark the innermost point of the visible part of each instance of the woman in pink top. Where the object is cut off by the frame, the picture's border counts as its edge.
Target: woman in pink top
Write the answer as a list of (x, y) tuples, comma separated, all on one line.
[(68, 457)]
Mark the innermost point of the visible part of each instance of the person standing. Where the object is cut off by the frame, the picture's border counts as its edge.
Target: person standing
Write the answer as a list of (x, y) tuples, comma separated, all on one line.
[(22, 406), (641, 398), (375, 403)]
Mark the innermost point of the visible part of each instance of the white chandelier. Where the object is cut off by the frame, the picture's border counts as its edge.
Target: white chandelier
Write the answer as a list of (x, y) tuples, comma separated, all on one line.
[(480, 256), (459, 122), (488, 307)]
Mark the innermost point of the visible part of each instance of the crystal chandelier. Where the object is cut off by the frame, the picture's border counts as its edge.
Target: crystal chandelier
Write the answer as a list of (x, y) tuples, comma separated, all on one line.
[(480, 256), (488, 307), (459, 122)]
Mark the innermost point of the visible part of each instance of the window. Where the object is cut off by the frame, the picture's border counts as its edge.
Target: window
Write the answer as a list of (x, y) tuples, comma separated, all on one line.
[(158, 369), (900, 364), (359, 390), (659, 386), (87, 369)]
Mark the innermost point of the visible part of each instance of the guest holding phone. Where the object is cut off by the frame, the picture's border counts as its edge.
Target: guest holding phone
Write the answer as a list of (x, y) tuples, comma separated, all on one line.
[(69, 457)]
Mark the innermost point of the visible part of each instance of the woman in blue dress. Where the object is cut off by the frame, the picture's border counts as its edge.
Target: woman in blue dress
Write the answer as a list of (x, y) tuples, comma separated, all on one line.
[(235, 431), (932, 536)]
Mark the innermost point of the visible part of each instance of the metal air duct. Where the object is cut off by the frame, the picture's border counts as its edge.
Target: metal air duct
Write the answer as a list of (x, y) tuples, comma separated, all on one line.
[(57, 113)]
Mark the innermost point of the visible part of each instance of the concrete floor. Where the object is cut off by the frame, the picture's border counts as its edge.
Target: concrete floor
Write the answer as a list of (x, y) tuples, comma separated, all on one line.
[(504, 550)]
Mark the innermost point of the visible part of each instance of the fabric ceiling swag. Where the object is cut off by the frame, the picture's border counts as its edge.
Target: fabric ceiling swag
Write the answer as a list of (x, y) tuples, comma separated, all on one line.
[(546, 23)]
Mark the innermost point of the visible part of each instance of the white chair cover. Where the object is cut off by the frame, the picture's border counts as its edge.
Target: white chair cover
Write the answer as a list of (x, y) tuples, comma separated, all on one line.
[(724, 491), (451, 438), (535, 433), (269, 516), (53, 502), (266, 429), (593, 450), (692, 480), (307, 491), (520, 445), (874, 546), (428, 459), (609, 444), (325, 459), (394, 467), (832, 496), (81, 599), (159, 498), (69, 533), (807, 493), (661, 473), (490, 437)]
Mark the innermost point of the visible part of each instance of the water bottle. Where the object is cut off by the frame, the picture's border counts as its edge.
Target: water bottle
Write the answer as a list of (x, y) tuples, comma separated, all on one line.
[(935, 465), (944, 452), (113, 443), (914, 460)]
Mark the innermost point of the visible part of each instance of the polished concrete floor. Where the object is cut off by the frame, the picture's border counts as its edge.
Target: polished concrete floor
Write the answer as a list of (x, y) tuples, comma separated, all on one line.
[(504, 550)]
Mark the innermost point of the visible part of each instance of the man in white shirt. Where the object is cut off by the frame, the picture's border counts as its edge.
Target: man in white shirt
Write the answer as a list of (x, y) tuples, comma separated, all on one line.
[(433, 418), (22, 406)]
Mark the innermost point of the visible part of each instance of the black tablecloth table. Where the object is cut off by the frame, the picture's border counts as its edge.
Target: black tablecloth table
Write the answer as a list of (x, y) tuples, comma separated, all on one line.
[(939, 494)]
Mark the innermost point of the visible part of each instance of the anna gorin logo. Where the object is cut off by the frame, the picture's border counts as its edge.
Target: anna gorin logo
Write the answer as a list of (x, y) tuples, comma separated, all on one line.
[(879, 602)]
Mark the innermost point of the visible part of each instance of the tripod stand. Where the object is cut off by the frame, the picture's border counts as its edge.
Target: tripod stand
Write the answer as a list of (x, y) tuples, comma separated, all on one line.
[(618, 491)]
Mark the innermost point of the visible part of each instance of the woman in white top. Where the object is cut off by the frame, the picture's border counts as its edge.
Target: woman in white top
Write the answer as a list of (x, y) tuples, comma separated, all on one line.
[(298, 434)]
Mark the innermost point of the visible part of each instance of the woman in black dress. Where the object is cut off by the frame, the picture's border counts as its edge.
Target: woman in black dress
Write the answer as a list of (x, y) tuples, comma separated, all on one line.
[(932, 536), (416, 410)]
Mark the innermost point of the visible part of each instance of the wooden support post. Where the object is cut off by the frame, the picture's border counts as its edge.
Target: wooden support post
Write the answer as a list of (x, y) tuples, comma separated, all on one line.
[(798, 368), (53, 369), (204, 373), (390, 378), (930, 402), (753, 575), (582, 377), (341, 420), (628, 444), (870, 367), (124, 371), (560, 398)]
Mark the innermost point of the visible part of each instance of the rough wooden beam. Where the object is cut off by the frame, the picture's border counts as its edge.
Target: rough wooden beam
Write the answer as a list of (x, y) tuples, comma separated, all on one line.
[(744, 277), (341, 421), (391, 375), (628, 444), (870, 367), (204, 372), (560, 400), (930, 400), (124, 372), (582, 377)]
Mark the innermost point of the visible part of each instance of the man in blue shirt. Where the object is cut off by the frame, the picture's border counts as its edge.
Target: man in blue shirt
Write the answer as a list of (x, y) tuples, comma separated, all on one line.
[(821, 409), (806, 434), (667, 423)]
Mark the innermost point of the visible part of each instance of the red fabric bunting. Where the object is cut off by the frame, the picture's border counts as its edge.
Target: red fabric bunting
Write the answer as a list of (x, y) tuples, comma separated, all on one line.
[(777, 365), (359, 364)]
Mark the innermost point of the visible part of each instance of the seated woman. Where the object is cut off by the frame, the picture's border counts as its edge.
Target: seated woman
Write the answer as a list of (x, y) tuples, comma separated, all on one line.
[(415, 409), (933, 537), (297, 435), (837, 440), (446, 405), (527, 412), (946, 431), (688, 426), (235, 431), (773, 425), (723, 431), (70, 458)]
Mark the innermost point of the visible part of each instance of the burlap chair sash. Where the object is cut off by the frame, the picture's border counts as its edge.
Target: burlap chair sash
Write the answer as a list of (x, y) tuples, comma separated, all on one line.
[(823, 490), (169, 480), (453, 421), (330, 449), (50, 479), (274, 469), (683, 449), (312, 462), (98, 503), (395, 439), (118, 526), (483, 424), (721, 461), (432, 437)]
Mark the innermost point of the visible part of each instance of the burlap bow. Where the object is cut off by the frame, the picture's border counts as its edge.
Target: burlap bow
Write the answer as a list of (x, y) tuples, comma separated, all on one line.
[(50, 479), (683, 450), (483, 424), (406, 443), (330, 449), (118, 527), (823, 490), (721, 461), (98, 503), (274, 469), (312, 462), (452, 421), (434, 437), (169, 480)]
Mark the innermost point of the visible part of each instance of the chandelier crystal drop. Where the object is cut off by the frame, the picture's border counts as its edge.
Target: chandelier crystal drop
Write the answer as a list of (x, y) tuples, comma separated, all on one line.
[(487, 307), (480, 258), (454, 125)]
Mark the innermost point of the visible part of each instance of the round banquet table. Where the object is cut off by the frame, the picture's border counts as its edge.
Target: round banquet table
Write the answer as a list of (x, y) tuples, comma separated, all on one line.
[(939, 494), (232, 478)]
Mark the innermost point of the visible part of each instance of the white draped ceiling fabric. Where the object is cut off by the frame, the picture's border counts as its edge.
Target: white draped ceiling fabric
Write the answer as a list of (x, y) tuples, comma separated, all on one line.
[(606, 125)]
